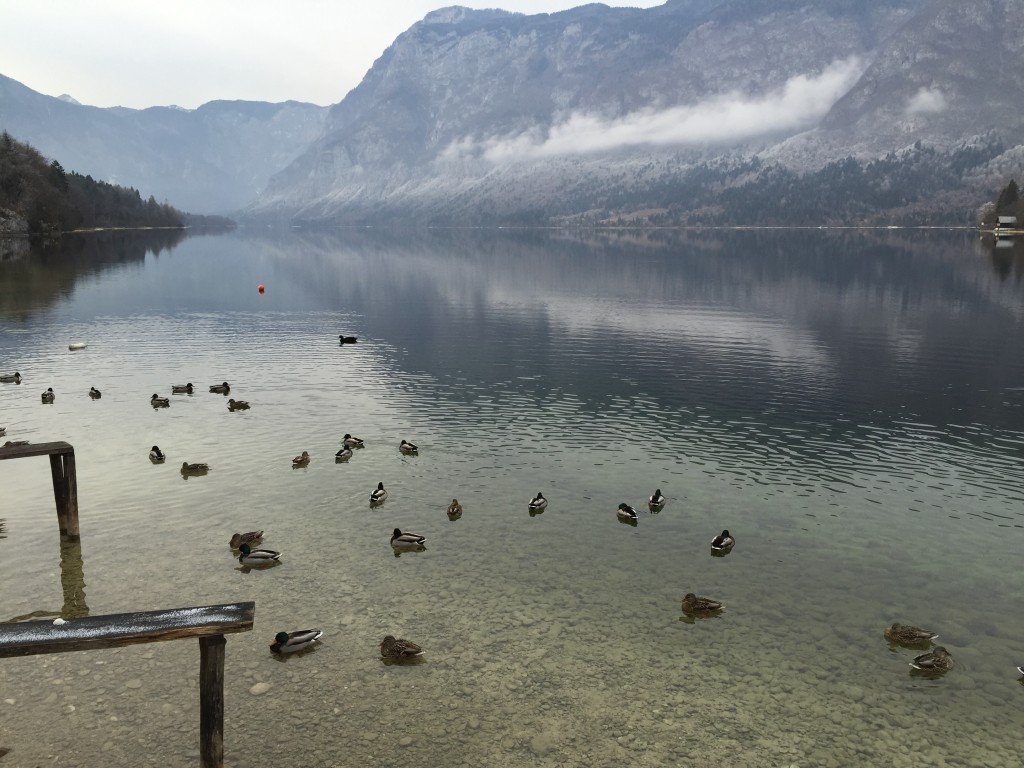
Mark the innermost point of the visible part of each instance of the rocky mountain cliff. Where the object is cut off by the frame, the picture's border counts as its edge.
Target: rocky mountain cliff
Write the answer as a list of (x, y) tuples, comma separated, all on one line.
[(213, 159), (694, 111)]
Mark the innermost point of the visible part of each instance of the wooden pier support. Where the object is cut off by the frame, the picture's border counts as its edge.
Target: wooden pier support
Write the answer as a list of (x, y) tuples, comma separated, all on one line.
[(209, 623), (65, 481)]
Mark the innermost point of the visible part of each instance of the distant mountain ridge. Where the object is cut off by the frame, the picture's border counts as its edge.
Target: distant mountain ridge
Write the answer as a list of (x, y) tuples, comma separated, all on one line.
[(601, 113), (213, 159)]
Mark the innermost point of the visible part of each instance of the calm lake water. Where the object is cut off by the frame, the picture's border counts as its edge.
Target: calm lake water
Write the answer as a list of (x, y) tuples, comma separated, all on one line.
[(849, 404)]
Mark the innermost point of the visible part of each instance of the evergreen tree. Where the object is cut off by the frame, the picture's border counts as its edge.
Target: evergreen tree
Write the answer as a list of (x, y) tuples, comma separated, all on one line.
[(1008, 198)]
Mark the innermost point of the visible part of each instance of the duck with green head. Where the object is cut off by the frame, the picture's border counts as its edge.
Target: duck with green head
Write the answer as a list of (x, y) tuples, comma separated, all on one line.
[(294, 642), (257, 558)]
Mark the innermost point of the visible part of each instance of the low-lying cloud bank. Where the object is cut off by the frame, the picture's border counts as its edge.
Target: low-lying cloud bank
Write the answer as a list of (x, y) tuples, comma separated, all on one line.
[(797, 105)]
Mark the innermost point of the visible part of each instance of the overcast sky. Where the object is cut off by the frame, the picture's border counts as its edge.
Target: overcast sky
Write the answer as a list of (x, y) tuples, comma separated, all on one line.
[(144, 53)]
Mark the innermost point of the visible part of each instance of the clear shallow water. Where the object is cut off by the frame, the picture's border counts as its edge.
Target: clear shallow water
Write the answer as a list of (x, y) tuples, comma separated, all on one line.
[(849, 405)]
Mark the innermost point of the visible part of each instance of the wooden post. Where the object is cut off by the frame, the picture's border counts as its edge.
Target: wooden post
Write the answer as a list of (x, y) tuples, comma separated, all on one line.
[(211, 701), (71, 494), (59, 491)]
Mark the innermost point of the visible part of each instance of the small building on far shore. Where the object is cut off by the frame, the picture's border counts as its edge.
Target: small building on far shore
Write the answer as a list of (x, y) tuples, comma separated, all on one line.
[(1007, 226)]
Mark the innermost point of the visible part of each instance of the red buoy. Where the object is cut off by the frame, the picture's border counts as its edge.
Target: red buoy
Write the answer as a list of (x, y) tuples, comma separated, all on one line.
[(261, 289)]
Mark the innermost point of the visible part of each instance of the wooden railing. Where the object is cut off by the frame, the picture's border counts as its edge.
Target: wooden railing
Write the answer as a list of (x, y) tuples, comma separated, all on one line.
[(209, 623)]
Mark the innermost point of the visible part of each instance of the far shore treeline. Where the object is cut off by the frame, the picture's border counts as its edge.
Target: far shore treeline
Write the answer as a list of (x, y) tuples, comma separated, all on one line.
[(40, 199)]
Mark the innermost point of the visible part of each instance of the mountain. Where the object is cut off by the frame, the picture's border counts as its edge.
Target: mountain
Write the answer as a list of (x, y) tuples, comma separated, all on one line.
[(696, 111), (213, 159)]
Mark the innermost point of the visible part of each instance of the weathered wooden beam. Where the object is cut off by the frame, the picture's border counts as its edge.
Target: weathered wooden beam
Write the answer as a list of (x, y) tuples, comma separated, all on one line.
[(211, 701), (35, 449), (120, 629)]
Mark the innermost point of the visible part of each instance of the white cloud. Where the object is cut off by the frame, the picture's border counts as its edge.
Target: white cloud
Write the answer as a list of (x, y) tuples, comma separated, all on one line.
[(926, 101), (797, 105)]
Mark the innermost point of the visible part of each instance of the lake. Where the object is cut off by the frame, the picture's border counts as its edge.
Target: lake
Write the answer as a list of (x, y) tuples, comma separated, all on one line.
[(849, 404)]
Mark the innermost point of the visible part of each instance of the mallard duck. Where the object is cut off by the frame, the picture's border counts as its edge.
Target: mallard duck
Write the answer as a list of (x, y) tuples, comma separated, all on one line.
[(378, 495), (454, 510), (193, 469), (656, 500), (94, 393), (252, 537), (181, 389), (292, 642), (257, 557), (397, 648), (3, 431), (723, 542), (626, 512), (407, 448), (159, 402), (694, 604), (342, 339), (15, 443), (48, 396), (11, 378), (155, 454), (905, 634), (538, 502), (351, 442), (1020, 668), (408, 539), (220, 389), (936, 660), (344, 454), (238, 405), (301, 461)]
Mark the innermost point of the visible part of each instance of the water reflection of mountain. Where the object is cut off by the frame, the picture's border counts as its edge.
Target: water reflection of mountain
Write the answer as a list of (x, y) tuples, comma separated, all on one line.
[(34, 276), (847, 319)]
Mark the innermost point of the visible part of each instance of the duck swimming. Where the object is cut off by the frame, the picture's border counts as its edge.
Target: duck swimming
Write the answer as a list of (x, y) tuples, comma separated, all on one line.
[(454, 510), (378, 495), (935, 661), (48, 396), (156, 455), (696, 605), (292, 642), (301, 461), (344, 454), (193, 469), (408, 539), (723, 542), (257, 557), (251, 537), (94, 393), (408, 448), (221, 389), (627, 513), (398, 648), (11, 378), (351, 442), (538, 502), (656, 501), (181, 389), (342, 339), (905, 634), (238, 405), (159, 402)]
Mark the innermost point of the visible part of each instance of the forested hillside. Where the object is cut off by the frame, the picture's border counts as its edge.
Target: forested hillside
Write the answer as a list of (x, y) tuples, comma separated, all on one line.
[(38, 197)]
